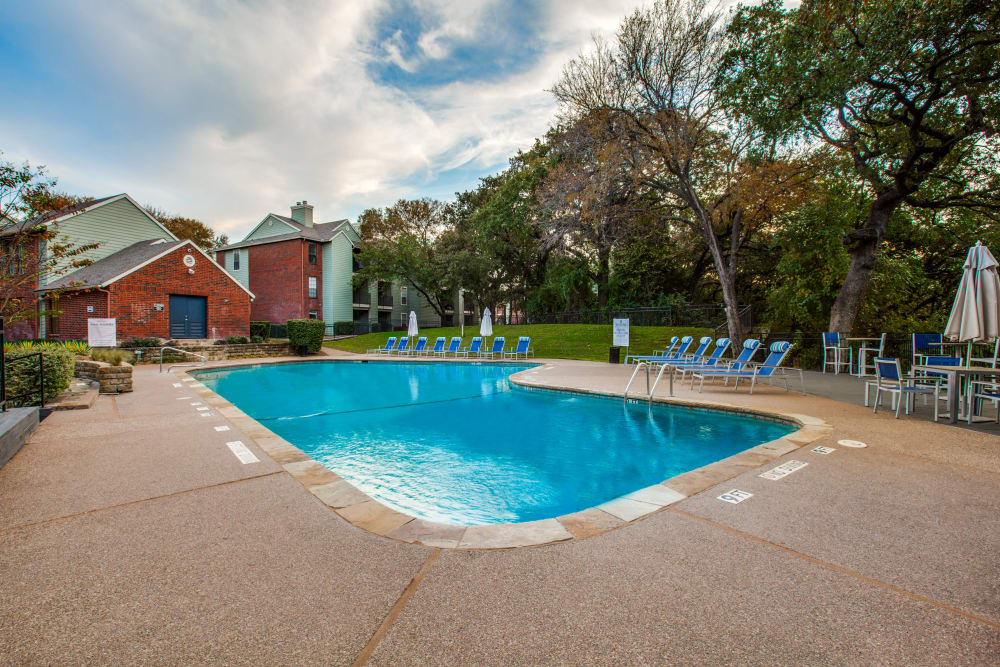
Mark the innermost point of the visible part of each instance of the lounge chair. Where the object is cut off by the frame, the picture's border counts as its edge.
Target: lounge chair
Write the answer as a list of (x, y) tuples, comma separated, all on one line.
[(699, 353), (388, 346), (474, 347), (438, 346), (666, 359), (453, 346), (656, 353), (523, 348), (889, 377), (400, 346), (769, 369), (419, 347), (497, 348), (714, 360)]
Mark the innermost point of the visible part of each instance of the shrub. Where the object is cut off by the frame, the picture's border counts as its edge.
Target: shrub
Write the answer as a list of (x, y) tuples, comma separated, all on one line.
[(237, 340), (76, 347), (308, 333), (279, 331), (343, 328), (256, 339), (141, 342), (112, 356), (58, 365), (261, 329)]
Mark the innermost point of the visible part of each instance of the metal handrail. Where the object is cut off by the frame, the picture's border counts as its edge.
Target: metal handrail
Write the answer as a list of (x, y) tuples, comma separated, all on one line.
[(182, 351)]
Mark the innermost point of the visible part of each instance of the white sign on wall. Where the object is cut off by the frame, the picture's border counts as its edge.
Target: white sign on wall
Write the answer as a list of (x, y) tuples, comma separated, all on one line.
[(102, 332), (620, 332)]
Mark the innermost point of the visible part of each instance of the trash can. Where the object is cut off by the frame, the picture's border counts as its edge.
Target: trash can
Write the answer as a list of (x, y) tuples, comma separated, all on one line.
[(614, 355)]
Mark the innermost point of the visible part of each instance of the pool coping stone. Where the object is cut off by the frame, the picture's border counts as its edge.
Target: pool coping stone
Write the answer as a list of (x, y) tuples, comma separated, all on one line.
[(369, 514)]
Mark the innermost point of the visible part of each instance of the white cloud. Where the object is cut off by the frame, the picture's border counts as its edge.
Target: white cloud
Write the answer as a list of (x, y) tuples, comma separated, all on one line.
[(225, 112)]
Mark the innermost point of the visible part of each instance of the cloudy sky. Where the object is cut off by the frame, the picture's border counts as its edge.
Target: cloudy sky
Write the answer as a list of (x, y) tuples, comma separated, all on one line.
[(226, 110)]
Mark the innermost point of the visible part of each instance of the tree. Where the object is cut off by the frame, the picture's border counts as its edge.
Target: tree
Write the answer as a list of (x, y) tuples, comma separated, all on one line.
[(399, 242), (189, 229), (30, 250), (906, 89), (661, 76)]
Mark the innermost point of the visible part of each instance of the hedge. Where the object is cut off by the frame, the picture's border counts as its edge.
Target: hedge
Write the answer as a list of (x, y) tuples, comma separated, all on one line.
[(262, 329), (343, 328), (22, 374), (308, 333)]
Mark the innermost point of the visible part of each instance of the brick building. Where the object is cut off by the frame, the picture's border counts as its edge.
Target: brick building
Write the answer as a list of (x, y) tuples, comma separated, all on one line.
[(154, 289), (139, 273)]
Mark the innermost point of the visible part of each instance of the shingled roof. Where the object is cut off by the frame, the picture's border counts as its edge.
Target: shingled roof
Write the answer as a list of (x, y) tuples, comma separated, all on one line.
[(320, 233), (105, 271)]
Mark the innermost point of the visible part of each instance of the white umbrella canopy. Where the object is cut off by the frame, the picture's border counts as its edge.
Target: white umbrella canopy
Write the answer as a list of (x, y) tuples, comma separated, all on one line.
[(411, 331), (486, 327), (975, 316)]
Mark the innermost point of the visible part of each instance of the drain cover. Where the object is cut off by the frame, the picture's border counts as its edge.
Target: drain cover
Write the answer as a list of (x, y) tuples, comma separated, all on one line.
[(852, 443)]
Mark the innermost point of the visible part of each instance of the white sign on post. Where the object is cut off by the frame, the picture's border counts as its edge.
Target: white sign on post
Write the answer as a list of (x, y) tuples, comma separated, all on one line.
[(102, 332), (620, 332)]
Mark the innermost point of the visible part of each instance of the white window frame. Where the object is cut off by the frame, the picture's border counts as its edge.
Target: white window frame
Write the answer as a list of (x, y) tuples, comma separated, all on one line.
[(236, 260), (313, 314), (313, 287), (402, 296)]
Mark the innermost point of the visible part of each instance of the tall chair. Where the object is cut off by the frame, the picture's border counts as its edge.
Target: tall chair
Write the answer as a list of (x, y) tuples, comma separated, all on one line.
[(926, 345), (987, 361), (834, 352), (863, 353)]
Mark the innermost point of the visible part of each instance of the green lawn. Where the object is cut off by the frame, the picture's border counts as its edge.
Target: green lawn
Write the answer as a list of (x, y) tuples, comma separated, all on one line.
[(558, 341)]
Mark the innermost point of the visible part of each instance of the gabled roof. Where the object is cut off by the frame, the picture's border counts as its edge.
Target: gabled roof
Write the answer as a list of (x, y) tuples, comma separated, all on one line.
[(89, 205), (116, 266), (320, 233)]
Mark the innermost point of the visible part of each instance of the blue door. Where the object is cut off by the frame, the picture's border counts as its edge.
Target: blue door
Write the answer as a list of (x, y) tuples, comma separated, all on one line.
[(188, 316)]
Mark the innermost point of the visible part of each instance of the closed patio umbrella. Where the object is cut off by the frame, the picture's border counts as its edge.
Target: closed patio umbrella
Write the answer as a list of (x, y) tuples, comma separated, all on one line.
[(975, 315), (411, 331), (486, 327)]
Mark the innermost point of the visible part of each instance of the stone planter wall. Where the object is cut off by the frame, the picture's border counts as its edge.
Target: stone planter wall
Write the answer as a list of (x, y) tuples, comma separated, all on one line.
[(110, 379), (218, 352)]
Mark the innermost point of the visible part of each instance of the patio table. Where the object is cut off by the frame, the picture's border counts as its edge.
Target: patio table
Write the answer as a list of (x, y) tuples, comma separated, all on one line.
[(953, 373)]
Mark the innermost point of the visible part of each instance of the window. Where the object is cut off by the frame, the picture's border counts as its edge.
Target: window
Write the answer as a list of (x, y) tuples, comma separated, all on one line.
[(402, 296), (313, 315), (236, 260), (312, 287), (404, 319), (312, 253)]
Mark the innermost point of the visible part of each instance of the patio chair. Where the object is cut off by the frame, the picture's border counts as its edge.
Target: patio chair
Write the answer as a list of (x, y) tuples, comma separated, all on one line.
[(438, 345), (679, 355), (925, 345), (713, 360), (419, 347), (400, 346), (863, 353), (497, 349), (980, 391), (388, 346), (771, 368), (474, 347), (699, 353), (987, 361), (453, 346), (656, 353), (523, 348), (833, 352), (889, 377)]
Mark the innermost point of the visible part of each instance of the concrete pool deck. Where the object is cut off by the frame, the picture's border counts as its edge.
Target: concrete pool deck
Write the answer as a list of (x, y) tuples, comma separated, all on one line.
[(131, 532)]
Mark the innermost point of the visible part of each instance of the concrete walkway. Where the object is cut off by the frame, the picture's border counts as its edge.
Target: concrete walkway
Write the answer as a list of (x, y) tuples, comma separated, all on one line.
[(131, 533)]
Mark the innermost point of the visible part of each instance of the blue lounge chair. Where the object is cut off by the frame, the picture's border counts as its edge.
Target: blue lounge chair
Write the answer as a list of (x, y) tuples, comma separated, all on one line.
[(497, 348), (714, 360), (474, 347), (771, 368), (438, 345), (523, 348), (456, 342), (388, 346), (667, 358), (700, 352), (400, 346), (419, 347), (889, 377), (629, 358)]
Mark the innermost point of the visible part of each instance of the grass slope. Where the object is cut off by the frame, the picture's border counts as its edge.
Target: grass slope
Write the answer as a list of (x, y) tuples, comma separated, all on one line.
[(589, 342)]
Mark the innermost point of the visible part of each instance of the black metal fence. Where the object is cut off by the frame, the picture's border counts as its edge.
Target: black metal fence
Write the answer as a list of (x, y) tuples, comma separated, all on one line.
[(685, 315), (40, 389)]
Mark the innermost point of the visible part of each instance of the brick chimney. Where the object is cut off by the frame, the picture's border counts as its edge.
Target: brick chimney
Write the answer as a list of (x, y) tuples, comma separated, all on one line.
[(302, 213)]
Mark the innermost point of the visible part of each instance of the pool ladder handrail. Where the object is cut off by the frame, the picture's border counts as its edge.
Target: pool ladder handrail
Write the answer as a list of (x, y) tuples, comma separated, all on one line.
[(650, 390), (202, 357)]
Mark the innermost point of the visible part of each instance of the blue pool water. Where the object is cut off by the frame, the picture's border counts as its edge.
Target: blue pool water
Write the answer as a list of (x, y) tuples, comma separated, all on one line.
[(457, 443)]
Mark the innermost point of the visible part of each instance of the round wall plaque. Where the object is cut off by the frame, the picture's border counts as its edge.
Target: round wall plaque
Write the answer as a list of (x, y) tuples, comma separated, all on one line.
[(188, 260)]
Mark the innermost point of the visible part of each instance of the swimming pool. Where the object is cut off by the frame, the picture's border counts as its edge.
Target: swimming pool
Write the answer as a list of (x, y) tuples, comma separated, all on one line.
[(457, 443)]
